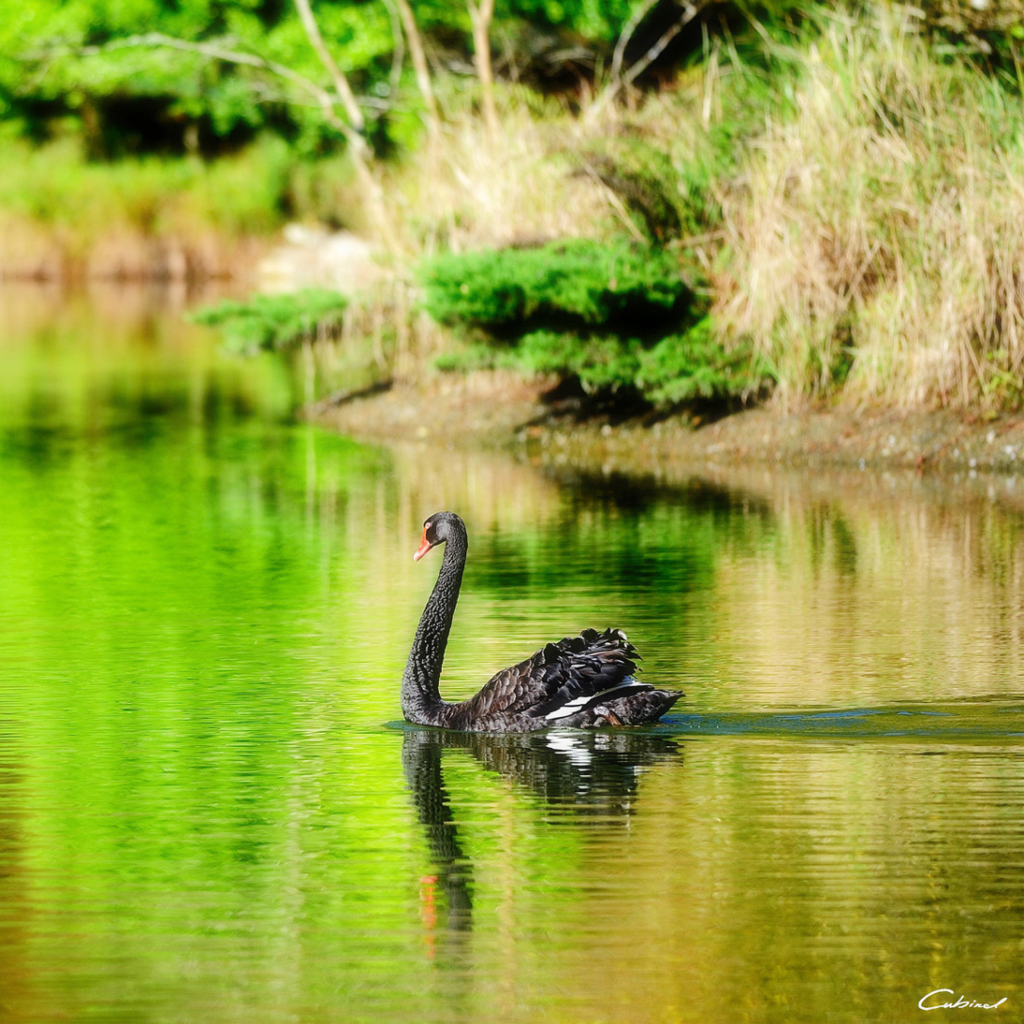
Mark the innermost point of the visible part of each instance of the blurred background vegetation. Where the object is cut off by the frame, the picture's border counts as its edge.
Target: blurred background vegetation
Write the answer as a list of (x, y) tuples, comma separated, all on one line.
[(800, 199)]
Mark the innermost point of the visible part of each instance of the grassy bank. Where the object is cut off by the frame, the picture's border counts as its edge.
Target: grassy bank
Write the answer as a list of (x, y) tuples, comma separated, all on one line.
[(841, 204), (63, 216), (847, 210)]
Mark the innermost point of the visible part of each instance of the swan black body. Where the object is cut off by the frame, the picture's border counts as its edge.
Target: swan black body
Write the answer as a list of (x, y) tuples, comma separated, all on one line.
[(579, 682)]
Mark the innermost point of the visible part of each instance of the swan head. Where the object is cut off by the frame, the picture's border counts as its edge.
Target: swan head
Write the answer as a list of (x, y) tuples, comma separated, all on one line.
[(438, 528)]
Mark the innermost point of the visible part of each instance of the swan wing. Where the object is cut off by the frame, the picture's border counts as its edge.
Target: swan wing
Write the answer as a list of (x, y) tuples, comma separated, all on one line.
[(564, 677)]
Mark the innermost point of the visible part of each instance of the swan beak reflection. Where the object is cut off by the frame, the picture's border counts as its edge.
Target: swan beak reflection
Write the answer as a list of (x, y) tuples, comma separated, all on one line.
[(424, 547)]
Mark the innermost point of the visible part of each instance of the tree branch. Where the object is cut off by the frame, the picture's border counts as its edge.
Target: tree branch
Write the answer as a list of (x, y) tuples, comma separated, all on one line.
[(216, 51), (690, 11), (348, 100), (481, 18), (398, 53), (632, 24), (419, 65)]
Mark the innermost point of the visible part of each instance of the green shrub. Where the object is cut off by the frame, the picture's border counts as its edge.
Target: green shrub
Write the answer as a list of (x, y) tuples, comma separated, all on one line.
[(613, 316), (680, 368), (695, 365), (477, 356), (574, 284), (275, 322), (601, 362)]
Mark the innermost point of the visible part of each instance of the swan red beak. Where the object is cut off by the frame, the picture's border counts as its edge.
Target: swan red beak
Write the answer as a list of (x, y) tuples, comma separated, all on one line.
[(424, 547)]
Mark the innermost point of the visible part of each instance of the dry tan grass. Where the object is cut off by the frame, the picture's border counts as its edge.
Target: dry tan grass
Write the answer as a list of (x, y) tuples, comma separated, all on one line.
[(522, 186), (883, 224)]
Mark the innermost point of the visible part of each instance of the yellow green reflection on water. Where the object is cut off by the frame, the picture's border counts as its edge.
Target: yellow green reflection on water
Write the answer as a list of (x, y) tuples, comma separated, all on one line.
[(208, 811)]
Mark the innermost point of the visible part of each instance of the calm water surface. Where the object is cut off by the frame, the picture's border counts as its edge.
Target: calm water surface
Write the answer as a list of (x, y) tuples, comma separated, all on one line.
[(208, 811)]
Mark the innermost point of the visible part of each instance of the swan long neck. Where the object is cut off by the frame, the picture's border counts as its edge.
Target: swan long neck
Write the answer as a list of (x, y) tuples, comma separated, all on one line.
[(421, 694)]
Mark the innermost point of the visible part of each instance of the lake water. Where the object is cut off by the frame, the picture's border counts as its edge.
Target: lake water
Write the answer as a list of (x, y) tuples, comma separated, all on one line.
[(209, 810)]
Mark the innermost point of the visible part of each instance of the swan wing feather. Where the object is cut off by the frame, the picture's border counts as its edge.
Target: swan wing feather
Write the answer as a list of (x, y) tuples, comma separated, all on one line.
[(564, 677)]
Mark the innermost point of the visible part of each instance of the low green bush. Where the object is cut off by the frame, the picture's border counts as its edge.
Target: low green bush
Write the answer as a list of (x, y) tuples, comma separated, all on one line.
[(275, 322), (680, 368), (613, 316), (575, 284), (684, 368), (601, 362)]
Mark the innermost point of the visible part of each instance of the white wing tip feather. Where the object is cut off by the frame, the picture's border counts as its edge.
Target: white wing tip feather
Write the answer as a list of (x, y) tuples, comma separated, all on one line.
[(570, 707)]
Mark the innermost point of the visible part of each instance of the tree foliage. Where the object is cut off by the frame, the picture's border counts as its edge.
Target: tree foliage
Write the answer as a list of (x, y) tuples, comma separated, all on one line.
[(83, 61), (68, 63), (80, 63)]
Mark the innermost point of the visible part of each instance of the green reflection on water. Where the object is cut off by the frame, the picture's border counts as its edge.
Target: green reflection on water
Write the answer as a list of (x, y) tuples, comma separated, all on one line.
[(204, 615)]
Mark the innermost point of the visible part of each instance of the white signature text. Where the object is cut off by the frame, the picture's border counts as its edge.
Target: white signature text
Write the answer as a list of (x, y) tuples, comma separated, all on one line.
[(962, 1002)]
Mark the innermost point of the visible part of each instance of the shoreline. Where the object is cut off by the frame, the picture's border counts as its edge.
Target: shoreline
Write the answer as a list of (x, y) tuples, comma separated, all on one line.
[(496, 410)]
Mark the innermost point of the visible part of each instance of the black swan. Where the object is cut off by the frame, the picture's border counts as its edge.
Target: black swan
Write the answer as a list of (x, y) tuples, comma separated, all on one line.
[(579, 682)]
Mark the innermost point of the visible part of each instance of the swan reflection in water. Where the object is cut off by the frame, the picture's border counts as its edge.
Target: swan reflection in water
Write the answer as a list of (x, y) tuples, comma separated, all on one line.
[(589, 778)]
